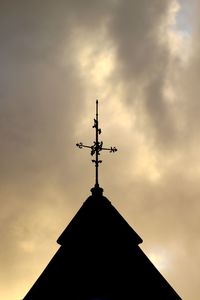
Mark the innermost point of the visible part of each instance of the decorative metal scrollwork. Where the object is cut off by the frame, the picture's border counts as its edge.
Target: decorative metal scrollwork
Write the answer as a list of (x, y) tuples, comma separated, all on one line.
[(97, 146)]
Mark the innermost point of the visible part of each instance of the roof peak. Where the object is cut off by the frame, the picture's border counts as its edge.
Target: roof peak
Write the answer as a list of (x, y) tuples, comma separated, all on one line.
[(98, 220), (97, 190)]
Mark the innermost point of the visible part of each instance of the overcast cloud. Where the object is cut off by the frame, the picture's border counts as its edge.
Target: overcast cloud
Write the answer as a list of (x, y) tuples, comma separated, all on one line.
[(141, 60)]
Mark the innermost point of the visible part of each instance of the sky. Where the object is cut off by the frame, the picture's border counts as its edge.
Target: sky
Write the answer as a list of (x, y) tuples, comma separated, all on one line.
[(141, 59)]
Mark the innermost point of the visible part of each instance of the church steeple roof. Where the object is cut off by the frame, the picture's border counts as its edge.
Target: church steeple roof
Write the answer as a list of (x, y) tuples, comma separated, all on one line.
[(99, 257)]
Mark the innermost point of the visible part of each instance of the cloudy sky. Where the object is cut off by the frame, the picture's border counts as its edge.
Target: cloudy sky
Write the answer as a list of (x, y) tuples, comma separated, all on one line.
[(141, 59)]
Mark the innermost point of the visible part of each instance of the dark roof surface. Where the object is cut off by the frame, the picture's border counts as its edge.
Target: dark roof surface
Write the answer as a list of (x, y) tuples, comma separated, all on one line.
[(99, 258), (98, 219)]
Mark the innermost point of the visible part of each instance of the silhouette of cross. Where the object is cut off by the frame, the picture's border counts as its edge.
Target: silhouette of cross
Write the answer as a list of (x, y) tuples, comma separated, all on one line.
[(97, 147)]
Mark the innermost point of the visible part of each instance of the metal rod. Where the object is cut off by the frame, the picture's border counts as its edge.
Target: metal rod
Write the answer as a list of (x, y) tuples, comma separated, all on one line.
[(97, 145)]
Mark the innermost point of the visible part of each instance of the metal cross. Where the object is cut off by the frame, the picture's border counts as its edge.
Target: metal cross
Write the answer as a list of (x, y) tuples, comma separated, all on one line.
[(97, 147)]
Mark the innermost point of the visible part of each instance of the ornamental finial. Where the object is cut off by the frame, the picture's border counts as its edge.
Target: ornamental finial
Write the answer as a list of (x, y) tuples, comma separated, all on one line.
[(97, 147)]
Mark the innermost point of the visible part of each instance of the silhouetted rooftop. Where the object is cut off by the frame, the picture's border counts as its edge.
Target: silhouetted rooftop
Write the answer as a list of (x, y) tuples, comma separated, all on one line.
[(99, 258)]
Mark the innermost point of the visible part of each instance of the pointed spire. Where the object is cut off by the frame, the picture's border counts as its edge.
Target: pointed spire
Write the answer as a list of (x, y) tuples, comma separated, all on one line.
[(96, 148)]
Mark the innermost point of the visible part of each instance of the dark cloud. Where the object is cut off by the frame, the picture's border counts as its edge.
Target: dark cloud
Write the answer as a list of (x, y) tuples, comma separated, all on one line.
[(135, 29), (142, 63)]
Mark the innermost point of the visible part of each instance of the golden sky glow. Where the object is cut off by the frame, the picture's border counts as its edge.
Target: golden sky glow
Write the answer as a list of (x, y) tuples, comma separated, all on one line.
[(141, 60)]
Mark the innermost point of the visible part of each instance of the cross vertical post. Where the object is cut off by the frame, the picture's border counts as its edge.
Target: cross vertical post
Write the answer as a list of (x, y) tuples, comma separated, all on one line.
[(97, 144)]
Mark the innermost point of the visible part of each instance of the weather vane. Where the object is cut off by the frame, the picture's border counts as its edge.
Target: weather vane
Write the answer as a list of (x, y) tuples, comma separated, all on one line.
[(96, 148)]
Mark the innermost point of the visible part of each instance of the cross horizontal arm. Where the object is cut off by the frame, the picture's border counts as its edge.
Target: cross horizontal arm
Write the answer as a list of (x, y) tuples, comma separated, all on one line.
[(94, 147), (111, 149), (81, 145)]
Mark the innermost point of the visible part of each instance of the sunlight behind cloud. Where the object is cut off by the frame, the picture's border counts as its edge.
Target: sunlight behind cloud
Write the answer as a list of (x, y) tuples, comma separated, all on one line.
[(95, 58), (160, 258)]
